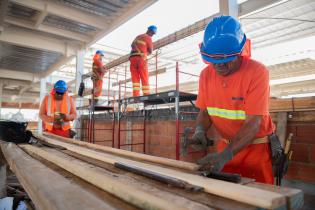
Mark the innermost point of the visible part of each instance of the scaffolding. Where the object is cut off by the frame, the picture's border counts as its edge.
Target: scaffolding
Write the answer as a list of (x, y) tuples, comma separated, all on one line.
[(175, 97)]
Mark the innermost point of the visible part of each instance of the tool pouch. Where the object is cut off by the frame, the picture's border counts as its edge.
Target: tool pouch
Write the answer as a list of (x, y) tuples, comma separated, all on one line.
[(279, 159), (81, 89)]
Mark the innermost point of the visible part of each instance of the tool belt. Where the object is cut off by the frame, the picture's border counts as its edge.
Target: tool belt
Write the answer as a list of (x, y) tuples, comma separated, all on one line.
[(280, 160), (256, 141)]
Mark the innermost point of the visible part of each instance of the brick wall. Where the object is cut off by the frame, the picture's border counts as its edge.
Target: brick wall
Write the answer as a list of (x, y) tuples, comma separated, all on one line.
[(302, 165)]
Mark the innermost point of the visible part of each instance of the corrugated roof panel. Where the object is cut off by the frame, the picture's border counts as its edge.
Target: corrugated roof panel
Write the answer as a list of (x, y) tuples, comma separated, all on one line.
[(69, 25), (26, 59), (19, 11), (99, 7)]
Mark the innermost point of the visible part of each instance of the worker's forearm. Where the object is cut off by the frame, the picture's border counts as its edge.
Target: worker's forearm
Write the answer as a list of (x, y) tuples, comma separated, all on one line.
[(246, 134), (46, 118), (71, 117), (203, 119)]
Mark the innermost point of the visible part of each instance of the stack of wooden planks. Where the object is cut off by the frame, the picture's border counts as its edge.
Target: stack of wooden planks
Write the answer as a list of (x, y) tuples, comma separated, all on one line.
[(80, 175)]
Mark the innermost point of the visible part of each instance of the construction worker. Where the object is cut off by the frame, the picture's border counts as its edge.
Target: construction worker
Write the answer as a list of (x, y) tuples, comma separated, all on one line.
[(57, 110), (234, 97), (140, 48), (97, 75)]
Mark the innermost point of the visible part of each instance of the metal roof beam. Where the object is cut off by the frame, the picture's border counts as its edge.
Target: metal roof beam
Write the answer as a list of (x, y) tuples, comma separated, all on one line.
[(56, 66), (18, 75), (28, 39), (253, 6), (48, 29), (119, 19), (65, 12)]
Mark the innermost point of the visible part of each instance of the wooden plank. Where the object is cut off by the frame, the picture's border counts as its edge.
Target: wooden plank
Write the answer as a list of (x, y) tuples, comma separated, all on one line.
[(289, 105), (282, 119), (244, 194), (110, 183), (129, 154), (151, 73), (42, 184), (200, 197), (294, 197)]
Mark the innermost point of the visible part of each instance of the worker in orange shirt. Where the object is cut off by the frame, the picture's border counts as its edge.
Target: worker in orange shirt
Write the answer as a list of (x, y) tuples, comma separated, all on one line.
[(57, 110), (141, 47), (234, 97), (97, 75)]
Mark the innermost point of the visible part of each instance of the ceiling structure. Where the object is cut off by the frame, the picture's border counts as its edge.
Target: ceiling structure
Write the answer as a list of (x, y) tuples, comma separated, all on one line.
[(266, 23), (37, 37)]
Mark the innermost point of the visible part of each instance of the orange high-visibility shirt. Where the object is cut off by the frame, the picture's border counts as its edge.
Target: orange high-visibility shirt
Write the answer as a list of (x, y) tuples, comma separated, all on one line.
[(142, 45), (65, 106), (229, 99)]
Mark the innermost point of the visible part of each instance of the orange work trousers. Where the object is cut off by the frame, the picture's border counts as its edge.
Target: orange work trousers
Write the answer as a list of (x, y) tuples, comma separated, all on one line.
[(97, 86), (139, 70), (254, 161), (60, 132)]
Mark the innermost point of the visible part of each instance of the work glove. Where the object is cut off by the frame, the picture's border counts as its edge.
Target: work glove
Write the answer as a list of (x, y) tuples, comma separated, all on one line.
[(215, 161), (199, 139), (59, 118)]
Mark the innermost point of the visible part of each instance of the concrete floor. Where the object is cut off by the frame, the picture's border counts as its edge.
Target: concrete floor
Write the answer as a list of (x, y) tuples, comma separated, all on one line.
[(308, 189)]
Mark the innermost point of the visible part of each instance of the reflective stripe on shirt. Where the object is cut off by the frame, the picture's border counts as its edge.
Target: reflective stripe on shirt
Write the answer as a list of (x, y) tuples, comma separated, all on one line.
[(226, 113)]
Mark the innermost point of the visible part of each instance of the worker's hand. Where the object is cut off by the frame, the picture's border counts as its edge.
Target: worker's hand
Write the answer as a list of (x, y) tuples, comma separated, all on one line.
[(215, 161), (49, 119), (199, 139)]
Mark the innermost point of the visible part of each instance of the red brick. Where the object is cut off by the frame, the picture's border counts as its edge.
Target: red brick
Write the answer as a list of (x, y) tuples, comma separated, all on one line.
[(300, 152), (292, 171), (312, 154), (153, 140), (166, 141), (306, 134), (307, 173), (292, 129)]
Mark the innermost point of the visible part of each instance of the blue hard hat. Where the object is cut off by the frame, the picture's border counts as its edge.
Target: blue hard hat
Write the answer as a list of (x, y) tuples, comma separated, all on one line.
[(223, 40), (101, 52), (61, 87), (153, 29)]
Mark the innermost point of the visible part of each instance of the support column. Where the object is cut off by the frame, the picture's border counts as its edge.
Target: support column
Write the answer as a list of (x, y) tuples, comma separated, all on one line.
[(1, 88), (229, 7), (42, 94), (79, 101), (3, 176)]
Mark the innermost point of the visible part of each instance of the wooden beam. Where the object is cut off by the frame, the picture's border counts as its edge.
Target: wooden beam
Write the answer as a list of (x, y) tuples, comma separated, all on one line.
[(110, 184), (292, 105), (48, 189), (224, 189), (124, 153), (294, 197), (151, 73), (200, 197)]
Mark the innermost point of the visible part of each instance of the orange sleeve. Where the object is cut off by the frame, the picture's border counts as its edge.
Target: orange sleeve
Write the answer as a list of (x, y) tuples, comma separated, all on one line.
[(98, 63), (257, 98), (149, 44), (201, 100)]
